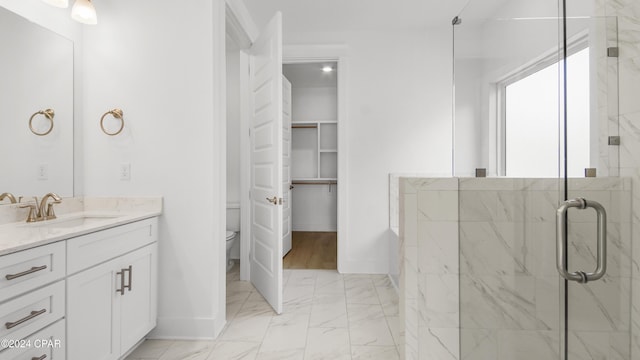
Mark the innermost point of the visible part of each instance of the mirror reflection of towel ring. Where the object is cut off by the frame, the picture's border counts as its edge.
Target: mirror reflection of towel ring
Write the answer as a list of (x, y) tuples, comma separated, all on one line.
[(116, 113), (49, 114)]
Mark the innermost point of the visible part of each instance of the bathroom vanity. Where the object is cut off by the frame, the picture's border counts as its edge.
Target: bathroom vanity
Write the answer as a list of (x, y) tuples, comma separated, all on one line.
[(82, 286)]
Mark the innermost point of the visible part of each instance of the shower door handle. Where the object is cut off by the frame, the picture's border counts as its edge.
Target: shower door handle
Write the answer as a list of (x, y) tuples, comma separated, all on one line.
[(561, 222)]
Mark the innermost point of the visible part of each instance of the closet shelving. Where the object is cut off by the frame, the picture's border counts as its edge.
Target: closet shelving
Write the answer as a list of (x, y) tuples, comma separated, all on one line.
[(314, 152)]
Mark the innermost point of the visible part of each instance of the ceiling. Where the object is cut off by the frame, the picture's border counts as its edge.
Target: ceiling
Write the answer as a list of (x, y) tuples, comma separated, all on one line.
[(311, 75), (357, 15)]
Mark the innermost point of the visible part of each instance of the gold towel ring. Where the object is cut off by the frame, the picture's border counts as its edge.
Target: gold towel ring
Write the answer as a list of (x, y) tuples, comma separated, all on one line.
[(116, 113), (49, 114)]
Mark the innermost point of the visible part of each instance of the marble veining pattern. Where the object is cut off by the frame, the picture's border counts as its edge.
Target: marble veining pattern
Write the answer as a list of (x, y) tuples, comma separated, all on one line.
[(509, 284), (326, 316), (509, 289), (429, 312), (628, 16)]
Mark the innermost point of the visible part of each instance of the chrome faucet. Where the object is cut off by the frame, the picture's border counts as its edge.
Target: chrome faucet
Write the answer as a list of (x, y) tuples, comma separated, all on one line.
[(42, 211), (8, 196)]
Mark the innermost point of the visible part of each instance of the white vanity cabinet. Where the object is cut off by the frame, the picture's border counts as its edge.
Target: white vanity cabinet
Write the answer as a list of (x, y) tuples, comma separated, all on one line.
[(32, 298), (26, 270), (111, 300), (46, 344)]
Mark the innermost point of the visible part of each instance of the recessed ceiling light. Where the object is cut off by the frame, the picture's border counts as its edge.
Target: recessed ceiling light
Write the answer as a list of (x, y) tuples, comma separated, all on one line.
[(327, 69)]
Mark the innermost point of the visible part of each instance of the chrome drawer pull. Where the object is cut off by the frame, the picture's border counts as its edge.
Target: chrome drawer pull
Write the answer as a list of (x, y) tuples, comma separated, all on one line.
[(39, 358), (26, 272), (33, 314)]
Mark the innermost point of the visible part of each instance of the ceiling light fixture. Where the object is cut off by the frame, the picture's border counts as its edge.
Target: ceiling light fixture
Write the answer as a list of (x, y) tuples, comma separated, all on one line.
[(58, 3), (84, 12), (327, 69)]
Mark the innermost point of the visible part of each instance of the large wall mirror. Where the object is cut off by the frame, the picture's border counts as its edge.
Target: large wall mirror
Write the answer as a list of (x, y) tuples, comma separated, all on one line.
[(36, 75)]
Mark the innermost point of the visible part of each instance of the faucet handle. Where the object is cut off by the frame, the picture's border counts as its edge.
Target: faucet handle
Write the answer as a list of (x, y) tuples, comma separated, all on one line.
[(32, 209), (45, 213), (50, 213)]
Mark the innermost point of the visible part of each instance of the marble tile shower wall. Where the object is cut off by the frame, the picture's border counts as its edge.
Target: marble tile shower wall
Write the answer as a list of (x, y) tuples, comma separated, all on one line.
[(628, 16), (479, 281), (509, 287), (429, 268)]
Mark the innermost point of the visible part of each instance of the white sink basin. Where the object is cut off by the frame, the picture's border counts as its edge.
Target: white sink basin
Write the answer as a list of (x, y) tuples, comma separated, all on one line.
[(72, 222)]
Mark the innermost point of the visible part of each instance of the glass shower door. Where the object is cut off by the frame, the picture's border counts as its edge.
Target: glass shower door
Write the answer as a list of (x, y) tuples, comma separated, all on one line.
[(507, 122), (594, 222)]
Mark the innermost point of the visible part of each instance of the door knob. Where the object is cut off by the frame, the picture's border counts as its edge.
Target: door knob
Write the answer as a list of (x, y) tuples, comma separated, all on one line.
[(273, 200)]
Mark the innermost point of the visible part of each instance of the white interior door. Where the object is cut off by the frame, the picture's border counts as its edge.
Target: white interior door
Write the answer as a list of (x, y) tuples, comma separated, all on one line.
[(265, 72), (286, 165)]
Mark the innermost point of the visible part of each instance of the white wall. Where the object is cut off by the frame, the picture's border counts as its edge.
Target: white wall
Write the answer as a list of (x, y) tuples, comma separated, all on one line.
[(233, 144), (159, 63), (314, 207), (313, 103), (399, 120), (233, 127)]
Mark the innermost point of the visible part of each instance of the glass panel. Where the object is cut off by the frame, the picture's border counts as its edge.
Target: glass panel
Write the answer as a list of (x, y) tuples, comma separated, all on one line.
[(499, 44), (509, 289), (531, 121), (598, 313)]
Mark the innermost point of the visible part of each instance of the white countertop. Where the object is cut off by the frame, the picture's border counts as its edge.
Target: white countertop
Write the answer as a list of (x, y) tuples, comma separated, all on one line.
[(16, 236)]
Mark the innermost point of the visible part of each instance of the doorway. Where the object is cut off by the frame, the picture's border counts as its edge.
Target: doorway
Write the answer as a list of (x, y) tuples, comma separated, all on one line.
[(314, 165), (248, 105), (233, 150)]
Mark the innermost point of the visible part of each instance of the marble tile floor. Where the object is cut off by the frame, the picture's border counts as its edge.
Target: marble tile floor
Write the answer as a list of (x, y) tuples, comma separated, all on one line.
[(326, 315)]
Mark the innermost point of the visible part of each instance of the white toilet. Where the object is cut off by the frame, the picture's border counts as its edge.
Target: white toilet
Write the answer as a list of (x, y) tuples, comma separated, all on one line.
[(231, 239)]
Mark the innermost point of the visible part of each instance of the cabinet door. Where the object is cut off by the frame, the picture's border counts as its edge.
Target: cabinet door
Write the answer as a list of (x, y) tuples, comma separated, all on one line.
[(138, 303), (92, 313)]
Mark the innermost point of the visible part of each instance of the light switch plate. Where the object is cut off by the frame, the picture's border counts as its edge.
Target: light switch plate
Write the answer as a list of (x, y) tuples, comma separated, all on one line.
[(125, 171), (43, 172)]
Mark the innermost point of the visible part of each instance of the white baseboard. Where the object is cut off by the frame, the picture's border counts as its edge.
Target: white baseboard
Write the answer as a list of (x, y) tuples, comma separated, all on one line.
[(361, 267), (314, 227), (187, 329)]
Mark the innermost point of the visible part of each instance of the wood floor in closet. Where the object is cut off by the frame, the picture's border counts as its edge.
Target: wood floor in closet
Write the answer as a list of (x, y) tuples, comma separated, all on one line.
[(312, 250)]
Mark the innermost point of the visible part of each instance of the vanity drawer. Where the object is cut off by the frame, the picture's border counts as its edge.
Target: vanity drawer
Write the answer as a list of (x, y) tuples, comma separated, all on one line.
[(93, 249), (31, 312), (29, 269), (49, 341)]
